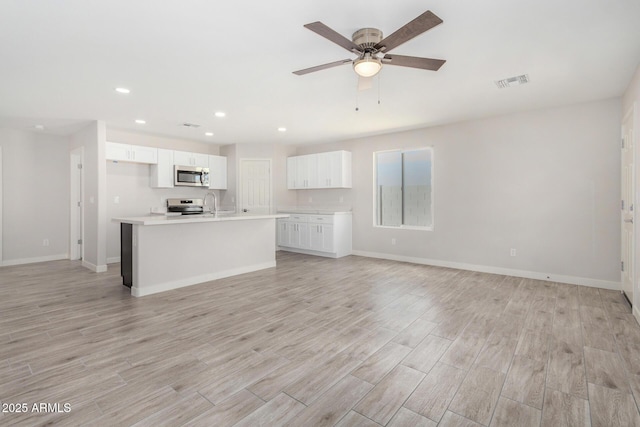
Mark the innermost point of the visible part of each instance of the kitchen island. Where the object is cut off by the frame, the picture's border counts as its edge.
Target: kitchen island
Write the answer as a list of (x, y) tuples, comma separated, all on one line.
[(159, 253)]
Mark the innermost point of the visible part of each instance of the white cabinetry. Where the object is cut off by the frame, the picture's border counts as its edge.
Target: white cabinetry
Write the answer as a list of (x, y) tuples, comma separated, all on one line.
[(161, 174), (323, 235), (131, 153), (323, 170), (185, 158), (292, 172), (217, 172)]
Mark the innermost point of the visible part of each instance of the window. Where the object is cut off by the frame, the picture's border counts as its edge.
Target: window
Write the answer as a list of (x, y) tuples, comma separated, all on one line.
[(403, 188)]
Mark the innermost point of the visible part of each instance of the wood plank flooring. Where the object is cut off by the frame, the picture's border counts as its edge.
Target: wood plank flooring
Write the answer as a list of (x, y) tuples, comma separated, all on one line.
[(317, 342)]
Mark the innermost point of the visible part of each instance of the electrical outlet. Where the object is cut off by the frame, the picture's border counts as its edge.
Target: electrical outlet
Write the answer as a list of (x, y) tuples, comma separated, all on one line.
[(341, 199), (393, 241), (310, 199), (45, 242), (233, 200), (512, 252), (116, 199), (92, 199)]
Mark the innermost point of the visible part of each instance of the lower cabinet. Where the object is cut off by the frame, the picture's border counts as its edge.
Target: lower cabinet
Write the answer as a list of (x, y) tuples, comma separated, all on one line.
[(323, 235)]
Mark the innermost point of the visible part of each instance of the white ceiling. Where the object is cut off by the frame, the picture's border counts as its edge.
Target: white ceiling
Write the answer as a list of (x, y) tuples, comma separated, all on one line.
[(184, 60)]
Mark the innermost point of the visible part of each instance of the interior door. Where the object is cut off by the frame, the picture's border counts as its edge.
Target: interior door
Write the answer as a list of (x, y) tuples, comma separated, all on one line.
[(627, 205), (255, 185)]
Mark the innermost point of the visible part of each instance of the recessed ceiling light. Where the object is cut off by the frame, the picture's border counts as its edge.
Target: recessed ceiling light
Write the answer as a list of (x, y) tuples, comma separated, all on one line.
[(220, 114), (122, 90), (141, 122), (208, 133), (281, 129), (39, 127)]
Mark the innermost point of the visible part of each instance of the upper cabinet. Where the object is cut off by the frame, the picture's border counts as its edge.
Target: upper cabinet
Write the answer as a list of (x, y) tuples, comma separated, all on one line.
[(131, 153), (217, 172), (161, 174), (323, 170), (185, 158)]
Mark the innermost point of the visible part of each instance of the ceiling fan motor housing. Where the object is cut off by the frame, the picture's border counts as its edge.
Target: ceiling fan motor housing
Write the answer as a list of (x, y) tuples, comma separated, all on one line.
[(367, 38)]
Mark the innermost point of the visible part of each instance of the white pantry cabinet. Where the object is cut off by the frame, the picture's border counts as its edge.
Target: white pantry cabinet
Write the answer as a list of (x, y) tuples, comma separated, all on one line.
[(161, 174), (131, 153), (217, 172), (322, 235), (185, 158), (323, 170)]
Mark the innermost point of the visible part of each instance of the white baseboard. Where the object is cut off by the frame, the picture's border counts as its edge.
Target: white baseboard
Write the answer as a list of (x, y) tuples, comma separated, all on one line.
[(181, 283), (113, 260), (58, 257), (93, 267), (572, 280)]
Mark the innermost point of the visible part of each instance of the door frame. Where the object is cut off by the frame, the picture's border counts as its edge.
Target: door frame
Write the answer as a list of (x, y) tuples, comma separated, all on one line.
[(76, 186), (241, 178)]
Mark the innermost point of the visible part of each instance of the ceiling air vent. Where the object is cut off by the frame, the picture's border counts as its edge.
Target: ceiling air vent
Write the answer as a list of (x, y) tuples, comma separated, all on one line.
[(512, 81), (190, 125)]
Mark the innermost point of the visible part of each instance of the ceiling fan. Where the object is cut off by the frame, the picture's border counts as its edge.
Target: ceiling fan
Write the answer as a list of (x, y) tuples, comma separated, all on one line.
[(369, 44)]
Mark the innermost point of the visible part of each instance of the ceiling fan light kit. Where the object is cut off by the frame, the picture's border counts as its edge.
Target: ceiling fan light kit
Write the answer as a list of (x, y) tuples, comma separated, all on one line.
[(368, 43), (367, 66)]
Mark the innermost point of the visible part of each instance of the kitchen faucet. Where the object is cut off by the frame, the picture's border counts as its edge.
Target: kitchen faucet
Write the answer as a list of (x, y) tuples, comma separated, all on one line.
[(212, 209)]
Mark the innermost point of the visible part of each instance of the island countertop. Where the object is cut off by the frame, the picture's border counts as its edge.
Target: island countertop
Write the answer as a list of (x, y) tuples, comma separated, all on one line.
[(199, 218)]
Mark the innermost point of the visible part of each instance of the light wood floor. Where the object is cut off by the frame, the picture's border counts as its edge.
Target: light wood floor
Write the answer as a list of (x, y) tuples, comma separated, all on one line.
[(317, 341)]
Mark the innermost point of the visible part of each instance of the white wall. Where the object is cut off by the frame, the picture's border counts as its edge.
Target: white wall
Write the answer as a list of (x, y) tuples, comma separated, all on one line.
[(229, 197), (546, 183), (93, 138), (35, 205)]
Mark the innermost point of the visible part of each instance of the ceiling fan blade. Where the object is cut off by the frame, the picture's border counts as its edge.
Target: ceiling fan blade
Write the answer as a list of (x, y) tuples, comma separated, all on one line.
[(365, 83), (413, 62), (422, 23), (331, 35), (322, 67)]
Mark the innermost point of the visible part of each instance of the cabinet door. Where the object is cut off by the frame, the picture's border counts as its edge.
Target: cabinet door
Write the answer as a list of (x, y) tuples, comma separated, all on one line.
[(324, 170), (284, 235), (116, 151), (183, 158), (161, 174), (292, 177), (200, 160), (217, 172), (334, 169), (315, 237), (302, 171), (303, 235), (140, 154), (327, 238), (321, 237)]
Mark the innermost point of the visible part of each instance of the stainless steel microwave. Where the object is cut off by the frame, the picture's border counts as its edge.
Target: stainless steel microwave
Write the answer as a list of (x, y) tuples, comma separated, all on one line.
[(191, 176)]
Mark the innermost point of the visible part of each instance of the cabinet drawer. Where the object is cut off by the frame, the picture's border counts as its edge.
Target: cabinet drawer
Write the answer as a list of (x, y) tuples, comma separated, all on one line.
[(298, 218), (321, 219)]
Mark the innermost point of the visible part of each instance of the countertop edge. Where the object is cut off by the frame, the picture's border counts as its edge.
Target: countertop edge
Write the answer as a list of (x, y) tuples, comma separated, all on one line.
[(185, 219)]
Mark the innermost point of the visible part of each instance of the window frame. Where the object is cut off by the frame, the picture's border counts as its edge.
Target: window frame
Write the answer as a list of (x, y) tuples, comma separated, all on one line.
[(375, 191)]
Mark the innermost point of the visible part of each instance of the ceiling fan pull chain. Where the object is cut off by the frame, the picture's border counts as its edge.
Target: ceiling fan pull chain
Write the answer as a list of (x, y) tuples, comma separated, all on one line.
[(378, 89)]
